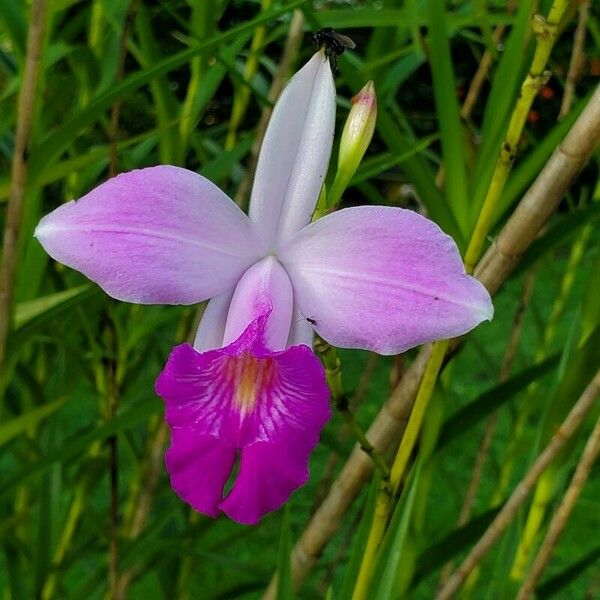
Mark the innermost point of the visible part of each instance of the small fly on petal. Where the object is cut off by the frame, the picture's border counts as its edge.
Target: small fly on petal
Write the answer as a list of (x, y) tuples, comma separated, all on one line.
[(333, 44), (311, 320)]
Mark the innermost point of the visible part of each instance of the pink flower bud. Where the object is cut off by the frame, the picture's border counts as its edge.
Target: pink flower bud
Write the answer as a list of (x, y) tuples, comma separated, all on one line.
[(358, 130)]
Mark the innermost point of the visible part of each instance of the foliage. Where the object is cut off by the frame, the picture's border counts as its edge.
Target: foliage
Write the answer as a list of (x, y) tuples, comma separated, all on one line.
[(176, 71)]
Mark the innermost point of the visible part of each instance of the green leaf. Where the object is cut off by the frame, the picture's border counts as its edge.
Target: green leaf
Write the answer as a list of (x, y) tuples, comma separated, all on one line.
[(164, 100), (491, 400), (420, 174), (578, 373), (590, 307), (459, 539), (389, 564), (27, 421), (448, 114), (558, 582), (55, 143), (14, 21), (374, 166), (47, 306), (359, 540), (79, 442), (561, 229)]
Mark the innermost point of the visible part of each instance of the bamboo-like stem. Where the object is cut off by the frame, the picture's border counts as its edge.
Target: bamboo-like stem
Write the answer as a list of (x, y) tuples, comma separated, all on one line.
[(563, 512), (542, 198), (518, 233), (20, 164), (333, 373), (290, 52), (529, 534), (545, 30), (413, 427), (577, 59), (490, 428), (389, 492), (563, 434), (242, 95)]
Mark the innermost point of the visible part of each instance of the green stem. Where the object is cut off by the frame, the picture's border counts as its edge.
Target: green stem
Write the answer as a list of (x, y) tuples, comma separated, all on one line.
[(417, 414), (76, 509), (202, 20), (389, 489), (545, 30), (333, 372), (242, 95)]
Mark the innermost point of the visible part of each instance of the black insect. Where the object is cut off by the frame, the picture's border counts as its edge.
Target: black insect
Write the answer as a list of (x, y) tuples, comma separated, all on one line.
[(333, 43), (311, 320)]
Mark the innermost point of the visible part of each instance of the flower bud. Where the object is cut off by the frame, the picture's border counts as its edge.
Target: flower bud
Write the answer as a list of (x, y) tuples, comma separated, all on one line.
[(356, 138), (358, 129)]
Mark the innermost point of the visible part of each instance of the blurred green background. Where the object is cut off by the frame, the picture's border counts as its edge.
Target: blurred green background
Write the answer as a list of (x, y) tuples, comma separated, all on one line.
[(132, 83)]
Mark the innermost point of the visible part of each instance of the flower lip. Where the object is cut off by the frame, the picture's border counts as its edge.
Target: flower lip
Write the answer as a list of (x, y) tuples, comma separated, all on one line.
[(243, 398)]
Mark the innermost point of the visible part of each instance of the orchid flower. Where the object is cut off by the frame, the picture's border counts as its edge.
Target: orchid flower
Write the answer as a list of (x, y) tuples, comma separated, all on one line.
[(380, 278)]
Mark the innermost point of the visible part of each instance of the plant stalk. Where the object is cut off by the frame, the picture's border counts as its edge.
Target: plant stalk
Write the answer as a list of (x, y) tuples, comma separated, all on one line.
[(16, 199), (508, 512)]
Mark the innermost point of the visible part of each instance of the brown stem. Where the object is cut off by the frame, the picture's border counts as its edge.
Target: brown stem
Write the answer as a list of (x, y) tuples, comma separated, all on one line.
[(113, 467), (16, 198), (480, 76), (577, 59), (542, 198), (490, 428), (508, 512), (563, 512), (521, 229)]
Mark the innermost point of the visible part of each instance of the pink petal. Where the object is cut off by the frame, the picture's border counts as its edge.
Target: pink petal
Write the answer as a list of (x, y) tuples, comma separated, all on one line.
[(269, 406), (295, 153), (200, 483), (269, 473), (384, 279), (279, 436), (265, 288), (156, 235)]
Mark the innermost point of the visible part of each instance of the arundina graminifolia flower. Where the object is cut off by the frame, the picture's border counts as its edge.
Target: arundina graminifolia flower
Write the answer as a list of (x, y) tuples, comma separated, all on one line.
[(371, 277)]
